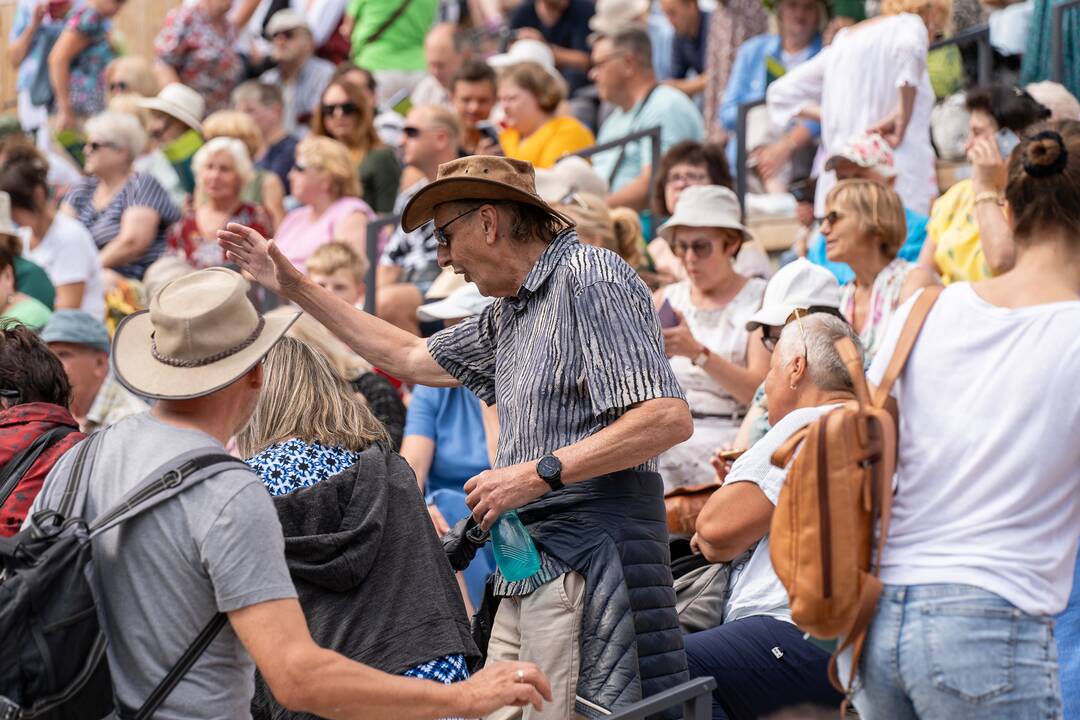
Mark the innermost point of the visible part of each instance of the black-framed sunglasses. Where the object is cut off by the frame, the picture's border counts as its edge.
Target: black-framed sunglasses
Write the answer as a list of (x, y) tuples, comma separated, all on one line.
[(770, 334), (345, 108), (830, 217), (118, 86), (93, 146), (441, 237), (411, 131)]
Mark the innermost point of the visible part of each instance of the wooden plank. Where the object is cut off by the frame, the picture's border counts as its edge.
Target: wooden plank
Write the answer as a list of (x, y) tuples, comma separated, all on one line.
[(135, 28)]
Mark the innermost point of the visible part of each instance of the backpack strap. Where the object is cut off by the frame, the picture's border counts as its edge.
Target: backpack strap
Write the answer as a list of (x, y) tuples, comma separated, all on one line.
[(22, 462), (908, 334), (179, 670), (852, 358)]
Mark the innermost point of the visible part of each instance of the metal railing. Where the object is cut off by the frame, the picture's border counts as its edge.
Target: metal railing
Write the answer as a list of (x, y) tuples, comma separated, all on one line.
[(374, 227), (741, 151), (1057, 41), (695, 698), (652, 134)]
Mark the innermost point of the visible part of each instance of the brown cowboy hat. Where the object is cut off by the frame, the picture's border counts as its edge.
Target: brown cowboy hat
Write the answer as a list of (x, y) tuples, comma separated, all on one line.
[(477, 177), (200, 335)]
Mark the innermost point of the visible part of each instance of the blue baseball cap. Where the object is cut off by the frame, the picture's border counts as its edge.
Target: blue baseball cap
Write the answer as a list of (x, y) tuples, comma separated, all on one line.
[(78, 327)]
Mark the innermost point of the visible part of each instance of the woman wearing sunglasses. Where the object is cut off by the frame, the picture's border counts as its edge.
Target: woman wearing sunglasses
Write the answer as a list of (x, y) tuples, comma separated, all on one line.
[(345, 115), (864, 227), (717, 361)]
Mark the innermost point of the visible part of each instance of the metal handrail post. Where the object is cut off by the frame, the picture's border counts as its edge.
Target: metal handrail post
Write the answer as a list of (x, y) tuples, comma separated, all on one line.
[(694, 696), (1057, 30), (741, 151), (372, 249)]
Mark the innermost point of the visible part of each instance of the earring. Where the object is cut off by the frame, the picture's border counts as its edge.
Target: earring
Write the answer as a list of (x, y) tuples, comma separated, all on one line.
[(794, 386)]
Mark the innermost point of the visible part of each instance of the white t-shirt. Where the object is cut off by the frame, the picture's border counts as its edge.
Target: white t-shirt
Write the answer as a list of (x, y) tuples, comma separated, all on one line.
[(68, 255), (988, 468), (755, 588)]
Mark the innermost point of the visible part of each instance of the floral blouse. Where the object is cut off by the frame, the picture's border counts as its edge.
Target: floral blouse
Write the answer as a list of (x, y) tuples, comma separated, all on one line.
[(202, 55), (294, 464), (185, 237), (884, 299), (86, 83)]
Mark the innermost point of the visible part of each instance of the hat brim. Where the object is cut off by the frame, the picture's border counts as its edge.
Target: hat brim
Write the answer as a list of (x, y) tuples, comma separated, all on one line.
[(453, 189), (774, 316), (884, 170), (667, 230), (173, 111), (138, 371)]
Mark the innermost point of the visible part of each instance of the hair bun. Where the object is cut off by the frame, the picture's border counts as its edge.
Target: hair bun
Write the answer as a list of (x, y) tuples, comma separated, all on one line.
[(1045, 154)]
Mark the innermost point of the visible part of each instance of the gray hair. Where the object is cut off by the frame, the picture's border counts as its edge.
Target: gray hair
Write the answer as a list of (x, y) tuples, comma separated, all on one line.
[(233, 147), (824, 366), (635, 42), (121, 129)]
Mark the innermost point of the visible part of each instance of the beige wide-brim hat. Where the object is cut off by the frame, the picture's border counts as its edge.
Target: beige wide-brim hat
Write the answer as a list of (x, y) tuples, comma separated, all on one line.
[(178, 101), (200, 335), (570, 175), (611, 16), (705, 206), (477, 177)]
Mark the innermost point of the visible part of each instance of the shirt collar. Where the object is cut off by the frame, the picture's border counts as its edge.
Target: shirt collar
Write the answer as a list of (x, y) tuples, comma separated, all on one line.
[(546, 264)]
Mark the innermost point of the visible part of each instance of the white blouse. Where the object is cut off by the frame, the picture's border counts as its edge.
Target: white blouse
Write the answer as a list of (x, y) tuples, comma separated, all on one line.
[(856, 81)]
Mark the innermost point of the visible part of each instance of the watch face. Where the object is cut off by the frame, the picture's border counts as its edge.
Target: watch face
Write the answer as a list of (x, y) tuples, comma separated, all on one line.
[(548, 467)]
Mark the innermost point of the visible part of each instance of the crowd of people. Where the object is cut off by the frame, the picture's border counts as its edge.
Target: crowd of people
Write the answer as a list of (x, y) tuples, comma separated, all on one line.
[(399, 259)]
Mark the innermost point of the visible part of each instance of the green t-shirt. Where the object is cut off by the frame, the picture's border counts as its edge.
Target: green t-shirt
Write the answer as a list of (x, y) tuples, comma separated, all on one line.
[(30, 312), (33, 280), (401, 46)]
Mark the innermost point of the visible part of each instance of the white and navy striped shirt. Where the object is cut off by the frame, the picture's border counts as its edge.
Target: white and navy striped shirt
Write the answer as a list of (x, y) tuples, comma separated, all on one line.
[(577, 346)]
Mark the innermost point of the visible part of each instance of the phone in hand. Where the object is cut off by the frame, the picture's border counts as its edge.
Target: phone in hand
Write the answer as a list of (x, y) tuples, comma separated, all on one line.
[(1007, 141), (488, 130), (668, 318)]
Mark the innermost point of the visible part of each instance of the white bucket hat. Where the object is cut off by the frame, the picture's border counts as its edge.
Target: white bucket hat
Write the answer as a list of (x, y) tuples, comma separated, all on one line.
[(799, 285), (286, 19), (570, 175), (7, 225), (527, 50), (200, 335), (705, 206), (178, 101), (464, 302)]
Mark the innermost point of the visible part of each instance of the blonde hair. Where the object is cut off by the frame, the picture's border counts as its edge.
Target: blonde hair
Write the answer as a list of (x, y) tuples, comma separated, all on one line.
[(234, 124), (538, 82), (334, 256), (618, 230), (304, 398), (348, 365), (331, 157), (922, 8), (136, 72), (877, 208)]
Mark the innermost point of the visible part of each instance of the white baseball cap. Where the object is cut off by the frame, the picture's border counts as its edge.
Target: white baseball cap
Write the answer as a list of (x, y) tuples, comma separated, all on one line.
[(464, 302), (799, 285), (526, 50)]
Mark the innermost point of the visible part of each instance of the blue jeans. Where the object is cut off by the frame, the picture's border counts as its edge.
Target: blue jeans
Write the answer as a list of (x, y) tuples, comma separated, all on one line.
[(1067, 633), (955, 651), (451, 504)]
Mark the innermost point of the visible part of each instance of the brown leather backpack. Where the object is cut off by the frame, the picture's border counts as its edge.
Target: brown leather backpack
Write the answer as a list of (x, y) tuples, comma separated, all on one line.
[(838, 486)]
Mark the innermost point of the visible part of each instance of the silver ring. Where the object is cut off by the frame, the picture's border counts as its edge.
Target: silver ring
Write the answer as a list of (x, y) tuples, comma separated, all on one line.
[(521, 675)]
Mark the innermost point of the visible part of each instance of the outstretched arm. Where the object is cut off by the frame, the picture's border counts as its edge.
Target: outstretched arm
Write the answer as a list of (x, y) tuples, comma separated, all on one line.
[(397, 352)]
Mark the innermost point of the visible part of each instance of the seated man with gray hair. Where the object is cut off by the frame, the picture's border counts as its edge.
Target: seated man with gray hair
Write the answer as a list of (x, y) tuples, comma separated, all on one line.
[(760, 660)]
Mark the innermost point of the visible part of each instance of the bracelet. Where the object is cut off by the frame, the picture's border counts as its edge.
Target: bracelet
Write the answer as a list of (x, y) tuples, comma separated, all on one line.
[(988, 196)]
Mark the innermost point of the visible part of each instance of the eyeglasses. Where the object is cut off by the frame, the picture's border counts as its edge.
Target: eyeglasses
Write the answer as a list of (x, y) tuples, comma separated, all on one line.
[(769, 340), (93, 146), (118, 86), (12, 396), (411, 131), (441, 237), (605, 61), (688, 178), (830, 217), (346, 108), (285, 34), (701, 248)]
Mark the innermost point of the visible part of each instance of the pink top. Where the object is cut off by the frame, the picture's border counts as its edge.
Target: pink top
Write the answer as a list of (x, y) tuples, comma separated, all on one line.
[(299, 236)]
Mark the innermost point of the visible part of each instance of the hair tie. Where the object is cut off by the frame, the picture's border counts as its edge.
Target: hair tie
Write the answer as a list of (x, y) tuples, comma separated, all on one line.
[(1037, 170)]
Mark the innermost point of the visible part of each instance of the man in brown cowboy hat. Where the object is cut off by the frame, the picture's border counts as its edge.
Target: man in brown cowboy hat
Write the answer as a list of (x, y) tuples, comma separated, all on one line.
[(218, 547), (572, 353)]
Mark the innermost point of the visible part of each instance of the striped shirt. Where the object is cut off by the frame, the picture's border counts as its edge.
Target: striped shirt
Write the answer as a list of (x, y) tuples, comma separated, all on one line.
[(577, 346), (141, 190)]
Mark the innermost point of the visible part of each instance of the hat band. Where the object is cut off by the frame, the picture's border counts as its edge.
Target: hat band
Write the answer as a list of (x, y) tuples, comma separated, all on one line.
[(199, 362)]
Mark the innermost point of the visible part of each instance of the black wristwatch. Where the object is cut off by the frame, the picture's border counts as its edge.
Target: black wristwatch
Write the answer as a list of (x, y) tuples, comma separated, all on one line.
[(550, 471)]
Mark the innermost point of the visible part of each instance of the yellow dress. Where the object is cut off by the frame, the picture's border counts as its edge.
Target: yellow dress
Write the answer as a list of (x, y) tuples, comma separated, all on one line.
[(555, 138), (952, 227)]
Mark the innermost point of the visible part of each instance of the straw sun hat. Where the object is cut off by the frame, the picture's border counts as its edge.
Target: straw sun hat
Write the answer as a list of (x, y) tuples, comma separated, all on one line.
[(200, 335)]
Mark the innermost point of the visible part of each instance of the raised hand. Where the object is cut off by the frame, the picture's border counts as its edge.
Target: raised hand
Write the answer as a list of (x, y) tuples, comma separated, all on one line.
[(259, 257)]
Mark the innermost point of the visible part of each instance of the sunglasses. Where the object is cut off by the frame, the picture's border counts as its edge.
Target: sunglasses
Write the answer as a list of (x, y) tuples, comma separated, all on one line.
[(688, 178), (441, 238), (701, 248), (411, 131), (118, 86), (93, 146), (770, 334), (345, 108), (830, 217)]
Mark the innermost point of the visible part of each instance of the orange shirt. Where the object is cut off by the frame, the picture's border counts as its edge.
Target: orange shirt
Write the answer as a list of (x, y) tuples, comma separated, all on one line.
[(555, 138)]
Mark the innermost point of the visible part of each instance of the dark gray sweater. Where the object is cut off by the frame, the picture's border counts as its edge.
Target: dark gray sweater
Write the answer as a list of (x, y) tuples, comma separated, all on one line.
[(371, 574)]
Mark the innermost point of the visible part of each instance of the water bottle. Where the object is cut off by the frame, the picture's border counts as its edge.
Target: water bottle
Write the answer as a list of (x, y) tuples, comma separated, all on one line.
[(515, 553)]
